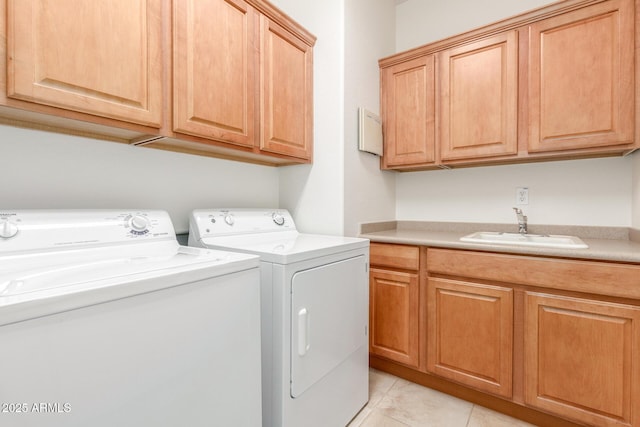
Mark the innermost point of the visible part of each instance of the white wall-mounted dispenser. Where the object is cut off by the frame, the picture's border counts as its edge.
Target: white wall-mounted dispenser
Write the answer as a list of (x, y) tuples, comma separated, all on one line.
[(369, 132)]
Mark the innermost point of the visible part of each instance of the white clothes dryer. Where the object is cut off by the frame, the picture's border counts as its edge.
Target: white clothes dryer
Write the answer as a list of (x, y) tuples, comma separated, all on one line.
[(314, 302), (106, 321)]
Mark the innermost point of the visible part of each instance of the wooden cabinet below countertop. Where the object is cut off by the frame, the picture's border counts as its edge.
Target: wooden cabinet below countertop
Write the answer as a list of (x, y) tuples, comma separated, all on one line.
[(470, 334), (395, 303), (530, 335), (581, 359)]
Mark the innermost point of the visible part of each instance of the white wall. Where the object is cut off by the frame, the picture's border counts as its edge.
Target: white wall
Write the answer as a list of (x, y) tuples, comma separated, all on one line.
[(575, 192), (422, 21), (314, 194), (370, 35), (43, 170), (586, 192), (343, 186)]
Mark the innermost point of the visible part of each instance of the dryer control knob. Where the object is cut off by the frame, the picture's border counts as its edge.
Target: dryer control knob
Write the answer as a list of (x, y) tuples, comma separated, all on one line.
[(8, 229), (229, 219), (139, 223), (278, 218)]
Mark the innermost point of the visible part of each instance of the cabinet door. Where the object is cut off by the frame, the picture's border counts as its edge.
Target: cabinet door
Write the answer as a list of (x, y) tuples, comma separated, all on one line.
[(215, 79), (101, 58), (470, 336), (394, 315), (581, 78), (581, 359), (286, 92), (479, 99), (408, 108)]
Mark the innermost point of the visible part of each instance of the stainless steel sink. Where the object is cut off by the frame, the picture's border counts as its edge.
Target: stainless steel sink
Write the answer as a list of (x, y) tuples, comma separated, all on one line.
[(539, 240)]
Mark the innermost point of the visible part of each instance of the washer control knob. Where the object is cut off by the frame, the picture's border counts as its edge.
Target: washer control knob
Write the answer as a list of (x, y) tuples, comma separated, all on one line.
[(8, 229), (278, 218), (229, 219), (139, 224)]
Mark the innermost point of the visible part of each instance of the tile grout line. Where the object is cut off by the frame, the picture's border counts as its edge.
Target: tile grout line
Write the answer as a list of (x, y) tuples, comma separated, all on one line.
[(470, 414)]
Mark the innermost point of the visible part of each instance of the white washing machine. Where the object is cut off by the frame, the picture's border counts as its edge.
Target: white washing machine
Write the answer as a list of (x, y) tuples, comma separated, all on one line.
[(315, 299), (106, 321)]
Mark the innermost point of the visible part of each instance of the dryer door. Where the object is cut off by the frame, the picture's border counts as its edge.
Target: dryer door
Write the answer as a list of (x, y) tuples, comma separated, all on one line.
[(328, 319)]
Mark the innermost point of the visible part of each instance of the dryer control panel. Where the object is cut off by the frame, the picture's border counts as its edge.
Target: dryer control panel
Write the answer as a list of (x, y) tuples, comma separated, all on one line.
[(227, 222)]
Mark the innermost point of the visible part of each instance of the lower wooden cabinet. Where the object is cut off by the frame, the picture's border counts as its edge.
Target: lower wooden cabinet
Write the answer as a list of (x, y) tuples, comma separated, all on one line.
[(558, 338), (394, 303), (470, 334), (582, 359), (394, 315)]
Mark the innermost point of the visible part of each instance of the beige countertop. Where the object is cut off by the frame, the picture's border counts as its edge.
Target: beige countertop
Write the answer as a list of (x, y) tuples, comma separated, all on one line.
[(605, 243)]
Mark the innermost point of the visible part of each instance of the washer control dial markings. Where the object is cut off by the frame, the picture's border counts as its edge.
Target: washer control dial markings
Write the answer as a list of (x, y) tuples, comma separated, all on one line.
[(138, 224), (8, 229), (278, 218)]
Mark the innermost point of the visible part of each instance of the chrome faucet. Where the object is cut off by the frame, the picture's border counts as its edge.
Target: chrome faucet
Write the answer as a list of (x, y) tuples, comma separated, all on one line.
[(522, 221)]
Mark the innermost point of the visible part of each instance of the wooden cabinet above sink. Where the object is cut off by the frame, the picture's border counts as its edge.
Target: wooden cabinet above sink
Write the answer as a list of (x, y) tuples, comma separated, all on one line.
[(554, 83)]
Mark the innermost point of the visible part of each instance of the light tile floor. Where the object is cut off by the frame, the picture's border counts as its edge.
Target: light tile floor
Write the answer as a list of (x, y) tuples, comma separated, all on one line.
[(394, 402)]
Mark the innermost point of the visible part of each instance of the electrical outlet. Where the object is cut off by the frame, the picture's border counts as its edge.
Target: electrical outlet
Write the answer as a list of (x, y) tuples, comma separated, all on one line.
[(522, 196)]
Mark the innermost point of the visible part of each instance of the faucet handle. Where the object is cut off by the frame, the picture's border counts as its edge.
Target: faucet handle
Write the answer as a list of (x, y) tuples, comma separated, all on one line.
[(522, 221)]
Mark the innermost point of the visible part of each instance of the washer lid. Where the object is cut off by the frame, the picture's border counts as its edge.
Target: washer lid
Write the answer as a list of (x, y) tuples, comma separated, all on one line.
[(20, 275), (285, 247), (37, 285)]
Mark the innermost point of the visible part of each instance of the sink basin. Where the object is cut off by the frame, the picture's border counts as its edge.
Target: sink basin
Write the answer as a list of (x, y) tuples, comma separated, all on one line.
[(539, 240)]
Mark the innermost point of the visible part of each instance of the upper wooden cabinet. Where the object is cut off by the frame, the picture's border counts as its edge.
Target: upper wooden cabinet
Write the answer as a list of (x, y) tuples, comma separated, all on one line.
[(581, 78), (101, 58), (215, 80), (224, 78), (241, 78), (286, 92), (557, 82), (408, 111), (479, 98)]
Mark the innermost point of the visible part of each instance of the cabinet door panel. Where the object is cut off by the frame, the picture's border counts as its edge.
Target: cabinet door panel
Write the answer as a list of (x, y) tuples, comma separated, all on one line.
[(215, 63), (581, 78), (408, 96), (470, 337), (479, 98), (287, 92), (394, 311), (101, 58), (581, 359)]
